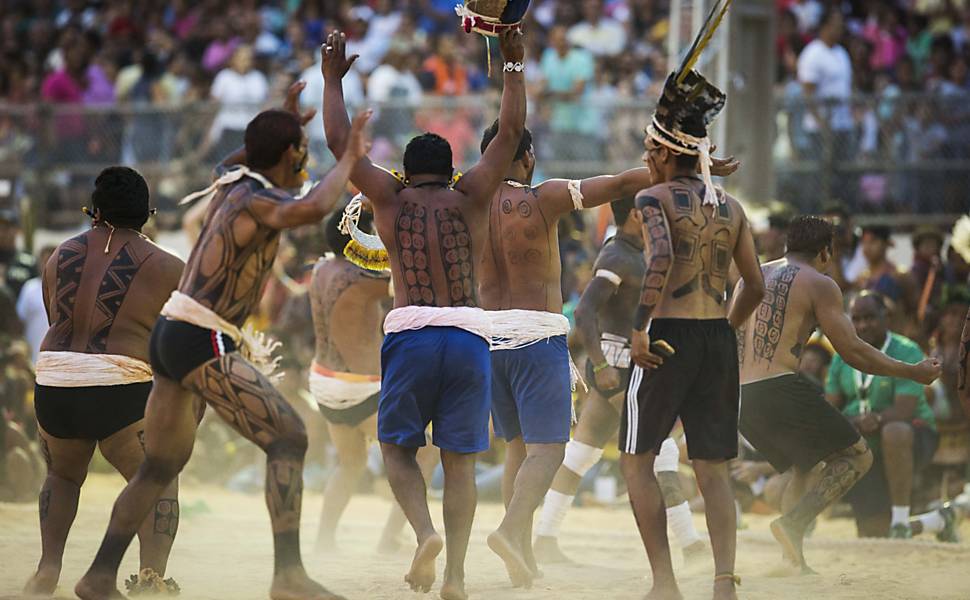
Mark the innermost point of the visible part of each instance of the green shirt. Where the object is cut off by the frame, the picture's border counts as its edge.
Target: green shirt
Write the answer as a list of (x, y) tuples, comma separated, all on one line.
[(844, 380)]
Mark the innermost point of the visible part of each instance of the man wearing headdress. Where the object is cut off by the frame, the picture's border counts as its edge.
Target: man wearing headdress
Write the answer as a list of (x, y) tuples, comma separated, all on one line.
[(435, 358), (199, 347), (692, 231)]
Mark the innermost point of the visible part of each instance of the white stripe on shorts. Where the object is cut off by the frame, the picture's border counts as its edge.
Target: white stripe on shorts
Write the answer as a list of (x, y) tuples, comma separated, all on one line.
[(633, 409), (220, 343)]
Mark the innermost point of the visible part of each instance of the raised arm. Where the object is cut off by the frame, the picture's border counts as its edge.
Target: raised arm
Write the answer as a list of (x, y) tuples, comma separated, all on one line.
[(596, 191), (481, 181), (827, 298), (376, 183), (750, 294), (656, 236), (324, 196)]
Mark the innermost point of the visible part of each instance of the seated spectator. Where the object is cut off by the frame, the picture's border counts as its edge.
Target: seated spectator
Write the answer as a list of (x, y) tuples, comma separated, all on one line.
[(893, 416), (880, 275), (815, 362), (222, 47), (16, 267), (597, 33), (771, 242), (926, 278)]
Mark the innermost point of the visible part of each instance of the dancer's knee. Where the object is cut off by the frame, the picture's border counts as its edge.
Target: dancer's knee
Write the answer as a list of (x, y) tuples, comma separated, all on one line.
[(291, 442), (163, 469)]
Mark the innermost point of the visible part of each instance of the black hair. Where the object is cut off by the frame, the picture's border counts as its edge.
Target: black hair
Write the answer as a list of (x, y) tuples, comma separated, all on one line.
[(338, 240), (882, 303), (269, 135), (820, 350), (686, 161), (880, 231), (621, 210), (428, 154), (809, 235), (525, 142), (121, 194)]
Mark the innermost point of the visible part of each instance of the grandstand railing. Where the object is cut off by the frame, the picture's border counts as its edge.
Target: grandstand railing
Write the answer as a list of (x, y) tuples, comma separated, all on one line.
[(898, 157)]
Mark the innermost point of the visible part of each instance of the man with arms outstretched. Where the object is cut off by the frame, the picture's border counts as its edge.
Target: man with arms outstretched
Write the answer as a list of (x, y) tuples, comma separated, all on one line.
[(435, 360), (604, 319), (198, 349), (692, 231), (783, 414)]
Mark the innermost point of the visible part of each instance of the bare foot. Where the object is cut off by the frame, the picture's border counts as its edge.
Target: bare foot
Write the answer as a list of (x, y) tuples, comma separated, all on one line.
[(518, 570), (790, 541), (725, 590), (294, 584), (43, 583), (453, 590), (547, 551), (97, 587), (695, 552), (664, 592), (421, 576)]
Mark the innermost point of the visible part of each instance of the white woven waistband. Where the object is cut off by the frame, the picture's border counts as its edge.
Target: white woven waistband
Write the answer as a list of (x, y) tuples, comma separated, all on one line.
[(409, 318), (340, 394), (78, 369), (516, 328)]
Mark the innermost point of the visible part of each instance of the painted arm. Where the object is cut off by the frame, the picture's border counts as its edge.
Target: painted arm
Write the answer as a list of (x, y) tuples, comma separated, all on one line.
[(656, 236), (481, 181), (324, 196), (750, 294), (594, 298), (855, 352), (376, 183)]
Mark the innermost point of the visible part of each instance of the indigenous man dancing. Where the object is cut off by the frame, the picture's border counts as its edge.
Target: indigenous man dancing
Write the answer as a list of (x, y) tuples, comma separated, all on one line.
[(103, 290), (197, 347), (521, 288), (604, 318), (348, 304), (692, 231), (435, 359), (783, 414)]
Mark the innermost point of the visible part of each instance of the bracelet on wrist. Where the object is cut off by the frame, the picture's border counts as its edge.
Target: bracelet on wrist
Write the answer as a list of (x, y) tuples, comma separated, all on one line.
[(600, 367), (510, 66)]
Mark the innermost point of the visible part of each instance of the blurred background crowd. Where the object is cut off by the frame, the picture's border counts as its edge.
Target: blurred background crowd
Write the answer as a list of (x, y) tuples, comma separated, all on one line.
[(872, 129)]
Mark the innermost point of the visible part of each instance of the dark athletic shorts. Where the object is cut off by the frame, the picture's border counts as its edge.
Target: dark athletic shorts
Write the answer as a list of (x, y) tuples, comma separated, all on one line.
[(177, 348), (870, 495), (353, 416), (531, 393), (89, 413), (699, 384), (788, 421)]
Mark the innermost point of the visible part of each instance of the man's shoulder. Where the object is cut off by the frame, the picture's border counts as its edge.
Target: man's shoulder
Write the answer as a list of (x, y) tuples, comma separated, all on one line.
[(903, 346)]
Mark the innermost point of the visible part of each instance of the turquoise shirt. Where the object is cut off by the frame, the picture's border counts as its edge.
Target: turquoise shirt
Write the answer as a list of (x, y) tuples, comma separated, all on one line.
[(561, 75), (845, 380)]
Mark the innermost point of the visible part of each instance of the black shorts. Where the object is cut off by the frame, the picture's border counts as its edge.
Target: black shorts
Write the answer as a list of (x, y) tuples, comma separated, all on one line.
[(177, 348), (699, 384), (353, 416), (89, 413), (870, 495), (788, 421)]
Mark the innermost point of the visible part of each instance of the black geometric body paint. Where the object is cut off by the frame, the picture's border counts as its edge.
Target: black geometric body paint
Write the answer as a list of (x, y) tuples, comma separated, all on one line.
[(770, 316)]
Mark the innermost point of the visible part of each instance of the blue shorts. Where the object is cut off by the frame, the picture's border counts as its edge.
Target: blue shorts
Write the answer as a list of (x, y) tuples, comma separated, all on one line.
[(531, 393), (436, 375)]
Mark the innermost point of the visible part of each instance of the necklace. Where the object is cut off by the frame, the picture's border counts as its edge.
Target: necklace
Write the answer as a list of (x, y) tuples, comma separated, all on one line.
[(111, 232)]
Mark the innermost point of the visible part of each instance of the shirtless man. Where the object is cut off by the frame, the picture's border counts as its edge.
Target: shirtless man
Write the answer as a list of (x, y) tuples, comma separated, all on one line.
[(784, 415), (435, 358), (102, 290), (348, 304), (522, 290), (604, 318), (197, 347), (692, 230)]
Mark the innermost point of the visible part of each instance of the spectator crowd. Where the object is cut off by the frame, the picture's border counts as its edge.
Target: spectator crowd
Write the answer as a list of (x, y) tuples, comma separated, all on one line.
[(183, 78)]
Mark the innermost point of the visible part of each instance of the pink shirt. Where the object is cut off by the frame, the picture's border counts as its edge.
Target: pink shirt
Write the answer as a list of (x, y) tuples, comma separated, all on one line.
[(60, 88)]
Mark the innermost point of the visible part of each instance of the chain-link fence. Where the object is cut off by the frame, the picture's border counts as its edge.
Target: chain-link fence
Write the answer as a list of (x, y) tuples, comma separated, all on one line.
[(902, 154)]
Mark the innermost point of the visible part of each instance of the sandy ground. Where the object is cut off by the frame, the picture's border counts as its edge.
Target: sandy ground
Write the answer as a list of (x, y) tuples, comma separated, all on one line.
[(226, 554)]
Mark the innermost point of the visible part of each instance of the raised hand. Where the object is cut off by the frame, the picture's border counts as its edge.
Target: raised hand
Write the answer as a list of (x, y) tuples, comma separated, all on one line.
[(358, 146), (335, 61), (510, 42), (723, 167), (292, 103)]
